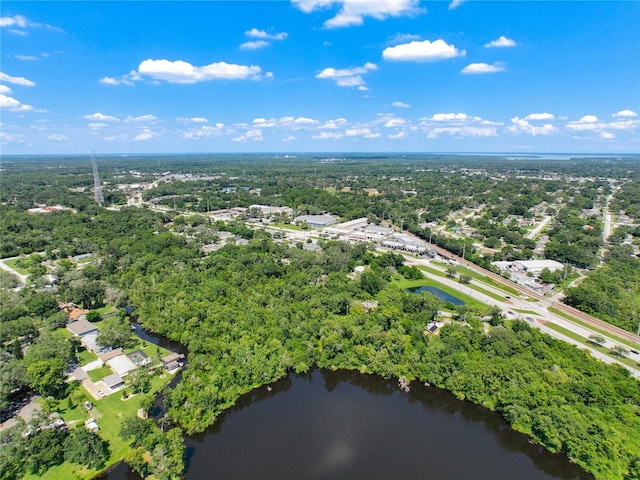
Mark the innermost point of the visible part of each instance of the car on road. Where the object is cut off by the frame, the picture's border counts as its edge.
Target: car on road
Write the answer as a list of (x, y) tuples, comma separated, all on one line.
[(529, 319), (635, 351)]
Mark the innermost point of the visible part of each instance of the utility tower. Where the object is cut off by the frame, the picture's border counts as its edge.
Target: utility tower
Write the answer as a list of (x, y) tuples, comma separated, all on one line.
[(97, 186)]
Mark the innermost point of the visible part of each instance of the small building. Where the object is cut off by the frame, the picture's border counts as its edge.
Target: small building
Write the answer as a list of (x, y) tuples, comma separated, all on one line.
[(113, 381), (173, 361), (316, 220), (121, 364), (536, 266), (82, 328), (105, 357)]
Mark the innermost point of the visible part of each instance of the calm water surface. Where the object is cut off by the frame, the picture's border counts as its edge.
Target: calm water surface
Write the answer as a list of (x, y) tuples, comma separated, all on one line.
[(344, 425), (439, 294)]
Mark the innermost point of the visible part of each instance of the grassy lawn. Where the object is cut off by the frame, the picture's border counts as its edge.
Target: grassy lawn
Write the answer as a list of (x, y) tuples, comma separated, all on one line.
[(85, 356), (106, 310), (99, 373), (287, 226), (404, 284), (109, 413), (526, 312), (584, 341), (624, 341), (489, 281), (14, 264)]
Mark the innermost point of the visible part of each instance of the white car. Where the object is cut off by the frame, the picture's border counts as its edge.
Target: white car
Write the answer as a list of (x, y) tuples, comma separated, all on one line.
[(101, 393)]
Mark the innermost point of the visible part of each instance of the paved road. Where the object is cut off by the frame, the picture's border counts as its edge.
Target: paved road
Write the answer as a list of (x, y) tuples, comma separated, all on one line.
[(4, 266), (540, 320), (533, 233)]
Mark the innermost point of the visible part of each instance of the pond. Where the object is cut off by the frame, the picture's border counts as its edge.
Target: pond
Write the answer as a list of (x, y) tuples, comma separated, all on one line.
[(436, 292), (346, 425)]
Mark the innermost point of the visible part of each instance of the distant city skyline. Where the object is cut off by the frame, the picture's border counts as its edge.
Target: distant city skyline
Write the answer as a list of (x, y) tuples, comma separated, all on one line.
[(320, 76)]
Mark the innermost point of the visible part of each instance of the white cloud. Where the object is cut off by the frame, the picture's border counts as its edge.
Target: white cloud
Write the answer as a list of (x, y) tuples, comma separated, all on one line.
[(398, 136), (401, 105), (255, 33), (264, 123), (348, 77), (455, 4), (403, 38), (445, 117), (395, 122), (501, 41), (26, 58), (254, 135), (192, 120), (19, 21), (254, 45), (205, 131), (540, 116), (142, 118), (521, 125), (327, 136), (127, 79), (14, 105), (6, 138), (289, 138), (459, 132), (305, 120), (183, 72), (479, 68), (146, 135), (625, 114), (15, 21), (57, 137), (458, 125), (361, 132), (590, 123), (352, 12), (16, 80), (333, 124), (101, 117), (97, 125), (588, 119), (5, 89), (424, 51)]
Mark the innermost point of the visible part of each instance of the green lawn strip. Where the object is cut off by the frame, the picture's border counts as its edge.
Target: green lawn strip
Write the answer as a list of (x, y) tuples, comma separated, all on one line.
[(99, 373), (106, 310), (472, 302), (14, 264), (528, 312), (85, 356), (628, 343), (488, 280), (584, 341), (286, 226)]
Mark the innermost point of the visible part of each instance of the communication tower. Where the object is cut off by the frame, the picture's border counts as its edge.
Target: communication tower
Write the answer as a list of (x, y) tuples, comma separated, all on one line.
[(97, 186)]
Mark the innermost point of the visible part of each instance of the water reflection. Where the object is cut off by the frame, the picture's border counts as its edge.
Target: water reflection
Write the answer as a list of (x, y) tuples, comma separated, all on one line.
[(436, 292), (345, 425)]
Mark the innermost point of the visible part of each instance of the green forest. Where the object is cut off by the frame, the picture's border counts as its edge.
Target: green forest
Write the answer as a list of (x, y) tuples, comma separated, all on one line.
[(250, 314)]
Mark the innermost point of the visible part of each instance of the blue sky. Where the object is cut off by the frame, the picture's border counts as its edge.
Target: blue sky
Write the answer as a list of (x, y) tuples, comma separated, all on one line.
[(320, 76)]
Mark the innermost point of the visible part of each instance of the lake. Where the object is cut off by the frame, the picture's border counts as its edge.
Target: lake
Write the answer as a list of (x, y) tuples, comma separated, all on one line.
[(345, 425), (436, 292)]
